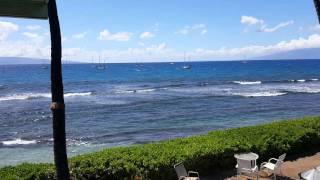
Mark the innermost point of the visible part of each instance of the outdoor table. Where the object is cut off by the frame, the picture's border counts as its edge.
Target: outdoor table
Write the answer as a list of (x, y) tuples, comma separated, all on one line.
[(250, 157)]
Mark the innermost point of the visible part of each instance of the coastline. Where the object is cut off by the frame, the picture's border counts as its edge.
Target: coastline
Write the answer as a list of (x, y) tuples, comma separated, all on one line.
[(204, 153)]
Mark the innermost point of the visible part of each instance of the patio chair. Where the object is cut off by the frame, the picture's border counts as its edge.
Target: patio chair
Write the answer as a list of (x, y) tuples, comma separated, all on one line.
[(274, 165), (245, 166), (183, 174), (313, 174)]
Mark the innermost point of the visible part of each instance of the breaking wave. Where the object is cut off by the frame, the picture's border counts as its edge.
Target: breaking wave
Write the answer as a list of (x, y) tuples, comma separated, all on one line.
[(27, 96), (18, 142), (136, 91), (260, 94), (247, 82)]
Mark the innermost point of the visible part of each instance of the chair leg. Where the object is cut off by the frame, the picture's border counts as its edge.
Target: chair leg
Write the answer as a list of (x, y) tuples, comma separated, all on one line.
[(237, 174)]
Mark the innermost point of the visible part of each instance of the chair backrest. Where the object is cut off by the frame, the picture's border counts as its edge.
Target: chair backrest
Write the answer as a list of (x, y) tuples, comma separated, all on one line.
[(180, 170), (280, 160)]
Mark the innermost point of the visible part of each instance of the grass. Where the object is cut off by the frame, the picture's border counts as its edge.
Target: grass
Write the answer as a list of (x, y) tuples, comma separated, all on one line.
[(203, 153)]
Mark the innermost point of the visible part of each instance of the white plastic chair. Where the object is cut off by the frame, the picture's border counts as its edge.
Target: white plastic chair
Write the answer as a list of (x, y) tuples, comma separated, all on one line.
[(183, 174), (245, 166), (313, 174), (274, 165)]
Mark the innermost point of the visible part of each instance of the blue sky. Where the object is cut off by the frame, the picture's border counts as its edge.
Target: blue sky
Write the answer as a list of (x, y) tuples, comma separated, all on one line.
[(149, 30)]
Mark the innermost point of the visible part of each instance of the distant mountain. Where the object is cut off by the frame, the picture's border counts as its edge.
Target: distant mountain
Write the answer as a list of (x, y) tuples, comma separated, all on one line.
[(21, 60), (311, 53)]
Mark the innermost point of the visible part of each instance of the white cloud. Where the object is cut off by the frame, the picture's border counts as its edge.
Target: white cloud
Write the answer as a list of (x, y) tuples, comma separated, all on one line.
[(313, 41), (204, 31), (30, 35), (26, 48), (249, 20), (79, 35), (33, 27), (275, 28), (146, 34), (120, 36), (156, 52), (201, 28), (161, 52), (6, 28)]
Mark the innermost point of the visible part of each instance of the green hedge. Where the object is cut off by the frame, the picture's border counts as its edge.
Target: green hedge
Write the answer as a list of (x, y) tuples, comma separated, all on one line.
[(204, 153)]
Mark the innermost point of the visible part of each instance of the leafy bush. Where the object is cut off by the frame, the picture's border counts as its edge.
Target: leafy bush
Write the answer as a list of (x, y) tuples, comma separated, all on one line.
[(204, 153)]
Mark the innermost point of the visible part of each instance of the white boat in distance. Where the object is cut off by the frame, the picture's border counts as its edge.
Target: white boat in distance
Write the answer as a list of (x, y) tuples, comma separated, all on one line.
[(186, 66)]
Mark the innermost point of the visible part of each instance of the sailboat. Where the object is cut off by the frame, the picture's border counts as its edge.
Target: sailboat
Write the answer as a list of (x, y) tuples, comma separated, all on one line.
[(44, 67), (186, 66), (101, 66), (92, 62)]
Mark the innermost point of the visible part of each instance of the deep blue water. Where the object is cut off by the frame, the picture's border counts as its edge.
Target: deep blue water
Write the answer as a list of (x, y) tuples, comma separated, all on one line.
[(139, 103)]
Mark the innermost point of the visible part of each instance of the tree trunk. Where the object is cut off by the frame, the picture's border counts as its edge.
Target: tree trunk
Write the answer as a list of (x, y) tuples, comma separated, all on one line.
[(57, 106), (317, 5)]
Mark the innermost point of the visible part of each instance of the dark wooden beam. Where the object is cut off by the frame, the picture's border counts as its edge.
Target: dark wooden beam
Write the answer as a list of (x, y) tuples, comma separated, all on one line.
[(24, 8)]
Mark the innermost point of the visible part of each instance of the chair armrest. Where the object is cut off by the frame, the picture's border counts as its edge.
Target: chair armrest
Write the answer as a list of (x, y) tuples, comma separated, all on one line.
[(193, 172), (272, 159), (262, 164)]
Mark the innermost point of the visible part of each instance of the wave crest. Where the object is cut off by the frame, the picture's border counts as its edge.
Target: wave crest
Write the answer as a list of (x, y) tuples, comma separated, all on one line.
[(136, 91), (18, 142), (260, 94), (247, 82), (27, 96), (77, 94)]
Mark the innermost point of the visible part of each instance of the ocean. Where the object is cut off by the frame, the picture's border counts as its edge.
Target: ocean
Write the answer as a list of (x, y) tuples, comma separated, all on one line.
[(129, 104)]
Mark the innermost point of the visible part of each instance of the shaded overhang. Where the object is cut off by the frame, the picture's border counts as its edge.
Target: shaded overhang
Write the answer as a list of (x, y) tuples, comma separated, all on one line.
[(24, 8)]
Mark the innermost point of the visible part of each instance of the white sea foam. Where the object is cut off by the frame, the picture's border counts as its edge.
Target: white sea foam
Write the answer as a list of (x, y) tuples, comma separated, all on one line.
[(26, 96), (314, 79), (77, 94), (72, 142), (305, 90), (18, 142), (301, 80), (145, 90), (260, 94), (247, 82), (135, 91)]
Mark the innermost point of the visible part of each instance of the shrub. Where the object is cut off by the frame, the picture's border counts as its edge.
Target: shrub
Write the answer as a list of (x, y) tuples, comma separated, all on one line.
[(204, 153)]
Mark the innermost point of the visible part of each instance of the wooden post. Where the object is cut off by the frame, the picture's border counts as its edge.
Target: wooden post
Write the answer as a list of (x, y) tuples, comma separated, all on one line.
[(317, 5), (57, 106)]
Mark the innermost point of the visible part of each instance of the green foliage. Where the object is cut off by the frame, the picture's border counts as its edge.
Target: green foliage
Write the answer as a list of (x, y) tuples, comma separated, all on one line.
[(204, 153)]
